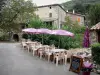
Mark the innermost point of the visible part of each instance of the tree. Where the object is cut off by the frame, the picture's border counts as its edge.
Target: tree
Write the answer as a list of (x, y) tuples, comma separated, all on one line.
[(80, 6), (16, 12), (35, 23), (2, 3), (94, 14)]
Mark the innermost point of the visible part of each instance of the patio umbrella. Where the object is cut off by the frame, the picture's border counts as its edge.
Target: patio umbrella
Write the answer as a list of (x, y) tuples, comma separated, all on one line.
[(30, 30), (37, 31), (63, 33), (43, 31), (86, 41)]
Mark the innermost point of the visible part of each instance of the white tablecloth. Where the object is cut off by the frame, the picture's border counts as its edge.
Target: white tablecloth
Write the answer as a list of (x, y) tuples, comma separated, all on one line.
[(57, 50)]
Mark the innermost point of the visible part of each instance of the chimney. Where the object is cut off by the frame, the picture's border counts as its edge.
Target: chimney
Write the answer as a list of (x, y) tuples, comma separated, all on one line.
[(67, 10), (73, 11)]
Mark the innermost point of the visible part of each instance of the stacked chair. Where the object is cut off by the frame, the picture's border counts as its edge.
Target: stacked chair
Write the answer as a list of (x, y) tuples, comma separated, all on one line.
[(51, 53)]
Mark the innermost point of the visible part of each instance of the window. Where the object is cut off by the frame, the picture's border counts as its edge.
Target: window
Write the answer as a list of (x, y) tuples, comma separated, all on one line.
[(50, 14), (50, 7), (49, 23), (78, 19)]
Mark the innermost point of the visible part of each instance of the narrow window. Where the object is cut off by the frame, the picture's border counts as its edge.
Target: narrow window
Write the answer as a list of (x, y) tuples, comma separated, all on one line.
[(78, 19), (50, 14)]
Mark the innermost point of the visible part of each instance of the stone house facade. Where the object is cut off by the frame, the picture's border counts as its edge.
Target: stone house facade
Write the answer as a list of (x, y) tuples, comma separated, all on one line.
[(77, 17), (95, 34), (55, 15)]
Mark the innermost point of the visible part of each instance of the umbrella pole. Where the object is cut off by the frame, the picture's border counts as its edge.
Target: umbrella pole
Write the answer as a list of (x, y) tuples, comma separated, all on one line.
[(42, 38), (31, 36), (59, 42)]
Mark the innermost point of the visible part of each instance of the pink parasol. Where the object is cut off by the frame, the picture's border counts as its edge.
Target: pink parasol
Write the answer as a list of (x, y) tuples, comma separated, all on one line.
[(43, 31), (62, 32), (30, 30)]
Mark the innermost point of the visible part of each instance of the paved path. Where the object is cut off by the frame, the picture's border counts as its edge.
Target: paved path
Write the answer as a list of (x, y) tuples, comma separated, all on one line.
[(16, 61)]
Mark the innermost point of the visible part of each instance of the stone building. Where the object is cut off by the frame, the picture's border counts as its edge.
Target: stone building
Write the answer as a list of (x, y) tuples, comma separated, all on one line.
[(95, 34), (55, 14)]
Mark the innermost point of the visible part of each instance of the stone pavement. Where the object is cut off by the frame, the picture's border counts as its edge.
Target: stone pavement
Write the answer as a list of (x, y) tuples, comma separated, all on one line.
[(16, 61)]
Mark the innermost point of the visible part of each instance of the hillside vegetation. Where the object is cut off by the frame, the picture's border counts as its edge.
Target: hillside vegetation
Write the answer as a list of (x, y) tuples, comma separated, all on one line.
[(80, 6)]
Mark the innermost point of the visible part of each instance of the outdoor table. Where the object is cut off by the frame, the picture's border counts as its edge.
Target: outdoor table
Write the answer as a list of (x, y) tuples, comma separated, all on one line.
[(57, 50), (53, 51), (30, 43), (36, 48)]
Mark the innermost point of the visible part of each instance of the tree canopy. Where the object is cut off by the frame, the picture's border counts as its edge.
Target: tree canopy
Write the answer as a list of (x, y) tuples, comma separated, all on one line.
[(15, 12), (80, 6), (94, 14), (2, 3)]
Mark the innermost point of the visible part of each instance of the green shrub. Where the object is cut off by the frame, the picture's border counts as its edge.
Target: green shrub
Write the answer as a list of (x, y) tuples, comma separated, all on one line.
[(96, 52), (4, 37), (25, 36)]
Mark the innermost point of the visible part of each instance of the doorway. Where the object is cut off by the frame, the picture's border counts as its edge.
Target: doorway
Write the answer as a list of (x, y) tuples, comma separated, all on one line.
[(98, 32), (16, 37)]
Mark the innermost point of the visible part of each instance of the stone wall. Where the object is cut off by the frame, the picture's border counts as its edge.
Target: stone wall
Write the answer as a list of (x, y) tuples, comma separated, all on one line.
[(93, 37)]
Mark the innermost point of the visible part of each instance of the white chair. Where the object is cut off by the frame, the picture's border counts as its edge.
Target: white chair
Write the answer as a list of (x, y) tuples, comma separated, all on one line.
[(48, 50), (28, 47), (29, 40), (24, 45), (49, 56), (57, 57), (41, 52), (65, 57), (34, 49)]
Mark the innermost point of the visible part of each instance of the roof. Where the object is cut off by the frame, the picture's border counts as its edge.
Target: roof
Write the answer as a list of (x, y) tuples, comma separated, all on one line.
[(61, 8), (96, 27), (52, 5), (76, 14)]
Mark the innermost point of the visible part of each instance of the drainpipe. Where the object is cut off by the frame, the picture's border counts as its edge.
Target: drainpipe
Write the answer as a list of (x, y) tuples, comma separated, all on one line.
[(58, 19)]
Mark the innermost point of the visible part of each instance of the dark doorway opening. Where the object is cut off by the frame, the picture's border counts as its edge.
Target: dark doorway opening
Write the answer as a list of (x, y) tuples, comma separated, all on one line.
[(98, 32), (16, 37)]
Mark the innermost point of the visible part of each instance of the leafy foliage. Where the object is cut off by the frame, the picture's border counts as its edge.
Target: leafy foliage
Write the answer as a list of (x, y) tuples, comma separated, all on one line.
[(15, 12), (94, 14), (80, 6), (2, 3), (35, 23), (38, 23), (96, 52), (75, 28)]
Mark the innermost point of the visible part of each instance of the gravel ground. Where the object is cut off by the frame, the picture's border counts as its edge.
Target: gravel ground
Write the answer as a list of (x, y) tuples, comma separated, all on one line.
[(16, 61)]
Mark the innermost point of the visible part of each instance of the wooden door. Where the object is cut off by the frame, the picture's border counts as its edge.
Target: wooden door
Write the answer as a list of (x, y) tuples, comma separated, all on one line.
[(99, 36)]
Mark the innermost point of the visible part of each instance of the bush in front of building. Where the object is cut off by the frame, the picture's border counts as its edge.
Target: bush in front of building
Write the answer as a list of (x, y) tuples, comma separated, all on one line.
[(25, 36), (96, 52)]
